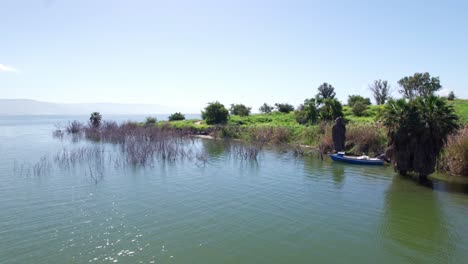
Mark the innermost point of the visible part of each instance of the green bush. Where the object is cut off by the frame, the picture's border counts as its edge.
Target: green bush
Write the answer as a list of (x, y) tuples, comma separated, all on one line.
[(240, 110), (307, 113), (176, 116), (150, 120), (330, 109), (352, 99), (215, 113), (284, 108), (265, 108), (451, 96), (359, 108)]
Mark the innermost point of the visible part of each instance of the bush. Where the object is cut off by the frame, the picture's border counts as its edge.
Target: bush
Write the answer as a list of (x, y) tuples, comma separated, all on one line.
[(215, 113), (176, 116), (353, 99), (74, 127), (330, 110), (451, 96), (359, 108), (265, 108), (307, 113), (454, 159), (240, 110), (150, 121), (284, 108)]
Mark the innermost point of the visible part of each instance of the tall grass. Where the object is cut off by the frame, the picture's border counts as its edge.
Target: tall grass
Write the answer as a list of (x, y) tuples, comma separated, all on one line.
[(361, 139), (454, 158)]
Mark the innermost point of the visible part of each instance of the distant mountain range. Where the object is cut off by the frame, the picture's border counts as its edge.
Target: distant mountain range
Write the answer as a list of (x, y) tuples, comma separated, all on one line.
[(33, 107)]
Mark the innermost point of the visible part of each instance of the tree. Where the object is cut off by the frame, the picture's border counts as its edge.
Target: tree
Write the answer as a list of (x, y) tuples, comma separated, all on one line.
[(325, 91), (240, 110), (284, 108), (451, 96), (265, 108), (352, 99), (420, 84), (215, 113), (330, 109), (418, 128), (359, 108), (307, 113), (381, 91), (95, 119), (176, 116)]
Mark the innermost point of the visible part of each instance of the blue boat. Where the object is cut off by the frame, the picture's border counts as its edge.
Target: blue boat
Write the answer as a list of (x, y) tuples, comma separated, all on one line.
[(364, 160)]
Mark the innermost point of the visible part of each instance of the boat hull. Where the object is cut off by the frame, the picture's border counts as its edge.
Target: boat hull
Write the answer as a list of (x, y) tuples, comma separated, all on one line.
[(336, 157)]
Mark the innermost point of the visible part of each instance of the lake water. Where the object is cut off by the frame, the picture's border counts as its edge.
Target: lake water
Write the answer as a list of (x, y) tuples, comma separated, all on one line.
[(280, 209)]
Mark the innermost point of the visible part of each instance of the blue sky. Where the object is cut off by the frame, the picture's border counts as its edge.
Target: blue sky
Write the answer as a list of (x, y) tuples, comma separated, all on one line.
[(188, 53)]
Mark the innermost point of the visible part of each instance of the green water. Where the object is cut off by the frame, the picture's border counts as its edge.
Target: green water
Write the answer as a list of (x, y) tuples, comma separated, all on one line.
[(281, 209)]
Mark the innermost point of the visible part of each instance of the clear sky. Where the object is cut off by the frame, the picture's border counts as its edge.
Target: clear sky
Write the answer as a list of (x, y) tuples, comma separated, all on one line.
[(188, 53)]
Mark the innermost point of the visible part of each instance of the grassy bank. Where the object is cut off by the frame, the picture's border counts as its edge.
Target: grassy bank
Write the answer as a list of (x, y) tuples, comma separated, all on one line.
[(277, 127)]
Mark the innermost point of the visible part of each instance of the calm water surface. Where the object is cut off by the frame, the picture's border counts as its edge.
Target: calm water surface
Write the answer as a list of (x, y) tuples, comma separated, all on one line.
[(280, 209)]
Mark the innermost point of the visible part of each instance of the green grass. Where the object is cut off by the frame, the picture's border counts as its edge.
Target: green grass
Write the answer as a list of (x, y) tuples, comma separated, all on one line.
[(461, 108), (370, 115)]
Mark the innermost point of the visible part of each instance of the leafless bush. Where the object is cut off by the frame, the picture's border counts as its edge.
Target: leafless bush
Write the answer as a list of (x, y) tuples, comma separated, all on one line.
[(41, 167), (298, 151), (202, 158), (21, 169), (74, 127), (247, 151)]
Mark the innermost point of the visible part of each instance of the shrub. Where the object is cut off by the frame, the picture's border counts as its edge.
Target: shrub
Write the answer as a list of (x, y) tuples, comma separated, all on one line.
[(284, 108), (240, 110), (215, 113), (307, 113), (265, 108), (150, 121), (74, 127), (176, 116), (454, 159), (359, 108), (330, 110), (451, 96), (352, 99)]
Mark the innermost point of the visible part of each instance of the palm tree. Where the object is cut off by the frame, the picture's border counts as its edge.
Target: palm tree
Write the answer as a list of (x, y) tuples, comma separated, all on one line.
[(418, 129), (95, 119)]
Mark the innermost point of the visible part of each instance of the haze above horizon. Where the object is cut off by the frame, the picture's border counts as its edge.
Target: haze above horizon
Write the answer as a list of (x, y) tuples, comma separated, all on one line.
[(187, 53)]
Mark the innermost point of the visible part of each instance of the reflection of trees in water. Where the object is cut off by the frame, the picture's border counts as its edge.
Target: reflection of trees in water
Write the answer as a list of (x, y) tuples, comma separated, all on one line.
[(215, 148), (338, 175), (413, 224), (318, 169)]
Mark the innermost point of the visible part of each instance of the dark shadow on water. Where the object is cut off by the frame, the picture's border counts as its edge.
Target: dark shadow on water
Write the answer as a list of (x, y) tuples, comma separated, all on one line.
[(414, 223), (437, 185)]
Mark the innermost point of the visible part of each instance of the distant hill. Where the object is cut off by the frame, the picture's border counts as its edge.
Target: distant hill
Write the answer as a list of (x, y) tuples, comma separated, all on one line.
[(33, 107)]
